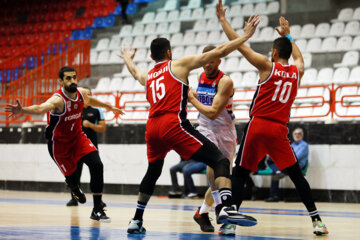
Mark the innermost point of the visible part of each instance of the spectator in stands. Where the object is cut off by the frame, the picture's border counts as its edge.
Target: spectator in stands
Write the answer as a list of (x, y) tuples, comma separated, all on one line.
[(301, 150), (124, 4), (187, 168), (92, 121)]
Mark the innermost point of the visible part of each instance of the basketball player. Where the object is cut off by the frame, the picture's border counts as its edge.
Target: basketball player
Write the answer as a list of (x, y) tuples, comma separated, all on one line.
[(67, 144), (213, 99), (266, 132), (92, 122), (168, 129)]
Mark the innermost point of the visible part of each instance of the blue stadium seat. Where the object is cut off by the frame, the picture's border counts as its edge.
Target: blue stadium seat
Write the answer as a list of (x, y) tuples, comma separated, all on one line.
[(131, 8)]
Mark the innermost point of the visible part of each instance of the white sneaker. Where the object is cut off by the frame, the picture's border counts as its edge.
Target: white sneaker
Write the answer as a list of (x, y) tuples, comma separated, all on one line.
[(135, 227), (192, 195), (229, 215), (227, 230), (319, 228)]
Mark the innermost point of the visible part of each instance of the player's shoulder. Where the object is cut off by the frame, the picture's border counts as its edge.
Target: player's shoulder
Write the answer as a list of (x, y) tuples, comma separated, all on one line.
[(226, 80)]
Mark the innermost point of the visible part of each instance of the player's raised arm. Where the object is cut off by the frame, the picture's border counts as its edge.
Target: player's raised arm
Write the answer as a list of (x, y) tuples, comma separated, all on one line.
[(127, 54), (53, 104), (224, 92), (94, 102), (184, 65), (258, 60), (284, 31)]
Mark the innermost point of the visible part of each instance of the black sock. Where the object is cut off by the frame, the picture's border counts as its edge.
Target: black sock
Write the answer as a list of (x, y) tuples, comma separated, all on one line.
[(225, 196), (139, 210), (97, 201)]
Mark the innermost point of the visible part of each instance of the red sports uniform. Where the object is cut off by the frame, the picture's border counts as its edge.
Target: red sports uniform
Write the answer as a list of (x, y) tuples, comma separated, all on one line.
[(66, 141), (266, 132), (167, 128)]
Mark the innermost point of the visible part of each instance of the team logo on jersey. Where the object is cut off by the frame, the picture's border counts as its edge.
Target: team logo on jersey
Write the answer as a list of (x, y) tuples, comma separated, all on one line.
[(75, 106), (214, 84), (68, 105)]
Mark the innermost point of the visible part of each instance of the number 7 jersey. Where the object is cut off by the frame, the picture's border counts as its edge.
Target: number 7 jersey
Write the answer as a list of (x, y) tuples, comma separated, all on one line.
[(274, 96)]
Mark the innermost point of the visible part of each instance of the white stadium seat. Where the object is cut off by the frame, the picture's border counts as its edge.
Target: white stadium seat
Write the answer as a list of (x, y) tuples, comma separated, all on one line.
[(247, 10), (115, 84), (236, 77), (177, 52), (273, 7), (201, 37), (237, 22), (344, 43), (189, 38), (295, 31), (313, 45), (350, 58), (139, 41), (249, 79), (148, 17), (114, 43), (162, 28), (125, 30), (307, 60), (352, 28), (355, 75), (199, 25), (308, 31), (93, 57), (138, 29), (264, 21), (128, 84), (103, 57), (260, 8), (176, 39), (103, 85), (140, 55), (150, 28), (170, 5), (161, 17), (345, 15), (102, 44), (126, 41), (190, 50), (197, 13), (192, 4), (341, 75), (214, 37), (149, 39), (174, 27), (210, 12), (356, 43), (325, 76), (356, 15), (246, 66), (301, 43), (309, 77), (232, 65), (114, 58), (322, 30), (185, 15), (213, 24), (235, 11), (173, 16), (329, 44), (337, 29)]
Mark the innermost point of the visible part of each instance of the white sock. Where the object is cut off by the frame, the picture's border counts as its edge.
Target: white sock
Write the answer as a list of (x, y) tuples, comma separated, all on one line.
[(204, 208), (216, 197)]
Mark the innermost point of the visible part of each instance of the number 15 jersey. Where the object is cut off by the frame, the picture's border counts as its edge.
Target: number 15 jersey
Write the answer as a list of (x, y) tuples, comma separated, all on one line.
[(273, 97), (165, 93)]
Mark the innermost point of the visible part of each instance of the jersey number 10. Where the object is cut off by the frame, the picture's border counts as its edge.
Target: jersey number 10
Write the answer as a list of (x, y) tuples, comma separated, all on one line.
[(285, 92), (157, 89)]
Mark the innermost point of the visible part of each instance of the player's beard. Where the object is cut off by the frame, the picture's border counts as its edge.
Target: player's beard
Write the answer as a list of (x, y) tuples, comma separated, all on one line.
[(72, 88)]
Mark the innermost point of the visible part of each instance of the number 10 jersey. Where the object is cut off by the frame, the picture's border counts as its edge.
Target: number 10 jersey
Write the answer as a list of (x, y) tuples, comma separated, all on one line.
[(273, 97)]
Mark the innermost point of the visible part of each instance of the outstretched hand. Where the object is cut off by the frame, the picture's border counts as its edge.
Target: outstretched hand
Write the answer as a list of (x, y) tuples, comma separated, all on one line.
[(250, 25), (127, 53), (14, 109), (285, 27), (116, 110), (220, 11)]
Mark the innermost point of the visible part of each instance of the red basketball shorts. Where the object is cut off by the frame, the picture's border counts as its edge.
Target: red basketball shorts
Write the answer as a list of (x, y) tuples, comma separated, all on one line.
[(261, 137), (67, 154), (167, 132)]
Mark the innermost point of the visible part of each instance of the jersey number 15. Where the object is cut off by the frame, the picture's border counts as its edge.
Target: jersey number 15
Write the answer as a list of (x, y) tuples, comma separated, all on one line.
[(157, 89)]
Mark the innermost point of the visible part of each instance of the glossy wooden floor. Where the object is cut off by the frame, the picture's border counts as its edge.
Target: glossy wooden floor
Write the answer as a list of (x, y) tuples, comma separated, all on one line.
[(35, 215)]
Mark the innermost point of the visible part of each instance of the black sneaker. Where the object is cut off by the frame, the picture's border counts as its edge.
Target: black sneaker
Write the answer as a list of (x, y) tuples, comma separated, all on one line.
[(204, 221), (99, 215), (272, 199), (72, 203), (79, 195)]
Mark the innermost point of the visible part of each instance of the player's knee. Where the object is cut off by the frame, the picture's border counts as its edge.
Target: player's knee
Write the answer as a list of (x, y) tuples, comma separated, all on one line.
[(222, 168)]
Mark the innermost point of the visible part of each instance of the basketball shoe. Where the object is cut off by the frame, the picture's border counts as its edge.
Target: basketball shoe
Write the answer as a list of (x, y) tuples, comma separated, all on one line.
[(204, 221), (99, 215), (227, 230), (78, 194), (229, 215), (319, 228), (135, 227)]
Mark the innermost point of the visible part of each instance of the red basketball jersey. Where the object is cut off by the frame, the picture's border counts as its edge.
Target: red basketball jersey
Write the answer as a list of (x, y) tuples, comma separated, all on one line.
[(273, 97), (165, 93), (66, 126)]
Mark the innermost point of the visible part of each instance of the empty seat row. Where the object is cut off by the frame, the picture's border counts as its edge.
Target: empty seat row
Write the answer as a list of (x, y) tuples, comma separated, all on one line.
[(329, 44), (348, 14), (150, 28), (342, 75)]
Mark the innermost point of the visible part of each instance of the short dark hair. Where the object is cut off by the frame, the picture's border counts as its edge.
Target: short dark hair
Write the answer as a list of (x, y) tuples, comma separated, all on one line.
[(65, 69), (208, 48), (159, 47), (284, 47)]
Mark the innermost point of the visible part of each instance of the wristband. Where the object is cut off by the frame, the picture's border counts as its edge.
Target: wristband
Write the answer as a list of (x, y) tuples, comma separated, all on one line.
[(288, 36)]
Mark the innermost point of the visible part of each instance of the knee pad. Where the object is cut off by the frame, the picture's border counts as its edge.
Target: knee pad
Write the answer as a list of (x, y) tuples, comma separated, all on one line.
[(222, 168)]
